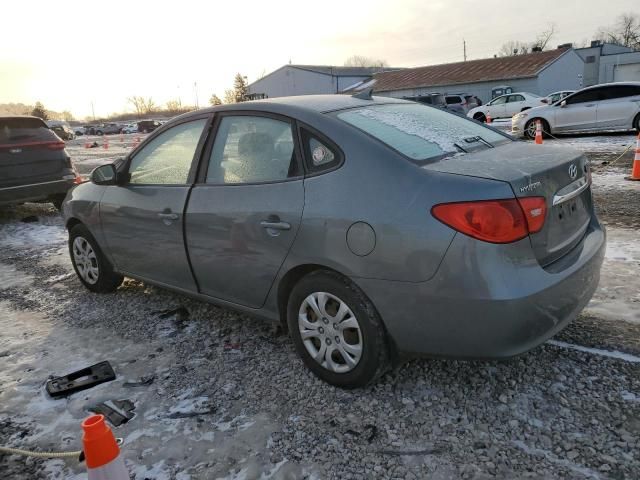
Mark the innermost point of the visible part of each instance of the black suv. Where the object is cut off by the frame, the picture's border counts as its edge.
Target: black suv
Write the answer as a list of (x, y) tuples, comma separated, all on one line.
[(34, 166)]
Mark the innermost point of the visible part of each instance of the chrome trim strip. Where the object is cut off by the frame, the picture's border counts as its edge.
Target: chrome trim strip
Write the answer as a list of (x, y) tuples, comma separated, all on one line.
[(573, 190), (33, 185)]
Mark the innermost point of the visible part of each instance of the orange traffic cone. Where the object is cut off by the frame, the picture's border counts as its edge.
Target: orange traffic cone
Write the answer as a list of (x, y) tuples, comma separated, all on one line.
[(538, 132), (106, 143), (102, 454), (635, 170), (488, 118)]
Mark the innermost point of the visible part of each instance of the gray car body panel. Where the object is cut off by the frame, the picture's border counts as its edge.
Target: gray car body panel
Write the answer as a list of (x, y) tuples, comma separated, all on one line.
[(438, 292)]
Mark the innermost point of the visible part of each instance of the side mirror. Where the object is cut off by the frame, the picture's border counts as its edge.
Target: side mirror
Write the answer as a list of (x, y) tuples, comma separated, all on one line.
[(563, 103), (105, 175)]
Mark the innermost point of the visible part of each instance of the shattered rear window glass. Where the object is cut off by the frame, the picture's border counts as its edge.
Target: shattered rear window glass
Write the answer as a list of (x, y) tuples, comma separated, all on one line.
[(418, 131)]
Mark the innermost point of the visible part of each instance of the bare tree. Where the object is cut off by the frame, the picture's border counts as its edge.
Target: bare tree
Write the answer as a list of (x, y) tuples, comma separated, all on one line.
[(142, 105), (625, 32), (229, 95), (544, 37), (362, 61), (513, 48), (174, 105), (67, 116)]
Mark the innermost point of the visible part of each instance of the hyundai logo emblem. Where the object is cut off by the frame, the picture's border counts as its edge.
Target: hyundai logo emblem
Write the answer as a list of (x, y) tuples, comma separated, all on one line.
[(573, 171)]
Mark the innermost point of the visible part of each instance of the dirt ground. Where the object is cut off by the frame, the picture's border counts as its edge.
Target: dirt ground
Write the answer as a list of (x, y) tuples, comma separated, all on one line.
[(220, 395)]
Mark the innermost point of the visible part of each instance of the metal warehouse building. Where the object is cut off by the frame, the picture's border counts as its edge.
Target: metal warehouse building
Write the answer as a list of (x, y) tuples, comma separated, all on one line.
[(607, 62), (540, 73), (292, 80)]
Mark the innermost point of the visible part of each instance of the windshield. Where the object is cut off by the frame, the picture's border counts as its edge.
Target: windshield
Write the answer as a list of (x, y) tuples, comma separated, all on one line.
[(421, 132)]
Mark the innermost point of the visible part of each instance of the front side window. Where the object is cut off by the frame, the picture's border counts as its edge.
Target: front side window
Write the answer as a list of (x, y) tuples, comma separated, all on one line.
[(453, 100), (583, 97), (499, 101), (167, 158), (420, 132), (251, 149)]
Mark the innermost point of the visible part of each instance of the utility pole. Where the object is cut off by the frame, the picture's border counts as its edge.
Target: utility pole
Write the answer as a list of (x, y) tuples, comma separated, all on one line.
[(93, 113), (195, 89), (464, 49)]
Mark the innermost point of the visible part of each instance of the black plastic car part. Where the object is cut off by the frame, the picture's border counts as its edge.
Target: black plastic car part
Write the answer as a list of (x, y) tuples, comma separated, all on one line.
[(80, 380)]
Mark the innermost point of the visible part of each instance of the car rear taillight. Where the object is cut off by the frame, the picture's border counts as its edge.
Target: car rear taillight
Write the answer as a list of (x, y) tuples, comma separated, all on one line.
[(535, 211), (494, 221), (56, 145)]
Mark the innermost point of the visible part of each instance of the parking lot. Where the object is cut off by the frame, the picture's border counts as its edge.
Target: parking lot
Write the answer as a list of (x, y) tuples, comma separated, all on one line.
[(220, 395)]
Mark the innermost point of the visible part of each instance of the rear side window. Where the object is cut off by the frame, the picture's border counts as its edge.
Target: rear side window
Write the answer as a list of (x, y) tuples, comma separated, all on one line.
[(620, 91), (516, 98), (417, 131), (252, 149), (320, 153), (17, 130), (452, 100)]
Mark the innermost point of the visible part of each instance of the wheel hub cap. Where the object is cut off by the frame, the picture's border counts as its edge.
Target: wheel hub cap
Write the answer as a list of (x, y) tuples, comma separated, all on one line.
[(330, 332), (85, 260)]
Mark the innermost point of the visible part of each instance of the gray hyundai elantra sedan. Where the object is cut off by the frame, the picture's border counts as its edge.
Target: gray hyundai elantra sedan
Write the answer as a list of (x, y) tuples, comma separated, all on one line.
[(373, 229)]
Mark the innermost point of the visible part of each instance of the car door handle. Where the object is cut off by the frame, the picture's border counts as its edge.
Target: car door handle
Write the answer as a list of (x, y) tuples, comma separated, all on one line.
[(168, 216), (276, 225)]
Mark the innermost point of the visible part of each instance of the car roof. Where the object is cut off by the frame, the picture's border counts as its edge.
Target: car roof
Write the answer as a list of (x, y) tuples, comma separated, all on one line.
[(315, 103), (613, 84)]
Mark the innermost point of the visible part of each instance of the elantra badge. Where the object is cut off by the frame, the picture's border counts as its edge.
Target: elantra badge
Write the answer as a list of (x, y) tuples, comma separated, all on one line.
[(531, 187)]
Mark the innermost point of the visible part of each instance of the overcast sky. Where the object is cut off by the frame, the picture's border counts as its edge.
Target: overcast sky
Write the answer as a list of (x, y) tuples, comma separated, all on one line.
[(69, 54)]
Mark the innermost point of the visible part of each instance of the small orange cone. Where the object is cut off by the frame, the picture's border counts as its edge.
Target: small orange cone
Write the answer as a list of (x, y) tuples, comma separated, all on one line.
[(106, 143), (488, 118), (101, 452), (635, 170), (538, 132)]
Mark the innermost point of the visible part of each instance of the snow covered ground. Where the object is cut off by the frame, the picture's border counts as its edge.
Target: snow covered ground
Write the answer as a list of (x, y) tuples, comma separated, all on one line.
[(228, 398)]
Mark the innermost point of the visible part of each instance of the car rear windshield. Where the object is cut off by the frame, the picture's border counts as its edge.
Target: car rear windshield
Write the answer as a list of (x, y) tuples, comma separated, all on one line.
[(421, 132), (23, 130)]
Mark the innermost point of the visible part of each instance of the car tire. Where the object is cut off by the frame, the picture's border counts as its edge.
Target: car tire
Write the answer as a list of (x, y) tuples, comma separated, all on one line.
[(636, 123), (99, 133), (90, 264), (57, 201), (367, 357), (480, 117), (530, 127)]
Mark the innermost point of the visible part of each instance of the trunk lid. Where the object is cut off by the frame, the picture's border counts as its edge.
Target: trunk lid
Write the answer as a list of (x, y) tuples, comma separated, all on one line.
[(29, 152), (559, 175)]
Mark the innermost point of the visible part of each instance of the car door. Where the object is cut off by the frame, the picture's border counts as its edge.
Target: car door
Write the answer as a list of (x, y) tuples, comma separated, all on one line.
[(245, 210), (497, 108), (578, 112), (616, 109), (515, 103), (142, 220)]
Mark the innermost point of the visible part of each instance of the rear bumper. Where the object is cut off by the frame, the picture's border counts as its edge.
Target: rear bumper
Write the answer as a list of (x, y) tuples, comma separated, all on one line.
[(35, 191), (489, 301)]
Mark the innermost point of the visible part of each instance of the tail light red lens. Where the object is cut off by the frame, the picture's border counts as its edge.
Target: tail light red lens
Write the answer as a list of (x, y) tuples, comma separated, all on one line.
[(494, 221), (55, 145)]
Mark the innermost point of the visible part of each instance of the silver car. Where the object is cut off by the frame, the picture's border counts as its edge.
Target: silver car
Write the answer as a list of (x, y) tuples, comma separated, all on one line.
[(372, 228), (606, 107)]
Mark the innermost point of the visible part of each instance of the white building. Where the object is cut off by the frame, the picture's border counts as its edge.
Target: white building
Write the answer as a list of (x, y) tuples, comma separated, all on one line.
[(291, 80), (607, 62)]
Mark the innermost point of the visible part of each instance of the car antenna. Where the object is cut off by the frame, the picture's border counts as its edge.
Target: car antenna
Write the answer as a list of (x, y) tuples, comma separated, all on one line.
[(364, 94)]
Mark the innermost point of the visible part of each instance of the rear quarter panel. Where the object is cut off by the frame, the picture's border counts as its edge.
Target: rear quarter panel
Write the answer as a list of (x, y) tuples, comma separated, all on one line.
[(377, 186)]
